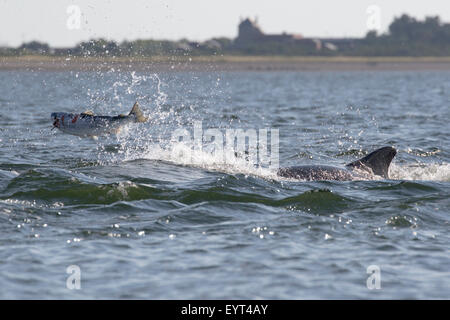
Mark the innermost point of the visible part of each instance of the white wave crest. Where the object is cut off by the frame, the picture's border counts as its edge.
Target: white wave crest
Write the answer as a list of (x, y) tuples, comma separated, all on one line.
[(422, 171)]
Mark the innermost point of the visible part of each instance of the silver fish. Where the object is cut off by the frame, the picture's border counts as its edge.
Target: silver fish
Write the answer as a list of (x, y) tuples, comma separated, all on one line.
[(86, 124)]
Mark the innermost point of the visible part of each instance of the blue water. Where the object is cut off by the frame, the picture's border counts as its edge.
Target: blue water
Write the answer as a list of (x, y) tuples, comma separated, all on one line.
[(143, 222)]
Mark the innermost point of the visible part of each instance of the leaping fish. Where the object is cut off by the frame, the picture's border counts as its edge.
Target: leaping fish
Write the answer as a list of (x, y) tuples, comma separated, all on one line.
[(87, 124)]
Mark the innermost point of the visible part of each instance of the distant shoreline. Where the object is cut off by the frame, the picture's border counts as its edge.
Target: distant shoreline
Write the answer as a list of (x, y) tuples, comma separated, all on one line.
[(224, 63)]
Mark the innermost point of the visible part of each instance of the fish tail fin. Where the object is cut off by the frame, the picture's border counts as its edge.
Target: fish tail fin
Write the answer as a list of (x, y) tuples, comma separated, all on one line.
[(378, 161), (137, 112)]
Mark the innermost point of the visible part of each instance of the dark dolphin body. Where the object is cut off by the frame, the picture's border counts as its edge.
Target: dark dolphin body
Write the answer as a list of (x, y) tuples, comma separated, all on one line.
[(376, 163)]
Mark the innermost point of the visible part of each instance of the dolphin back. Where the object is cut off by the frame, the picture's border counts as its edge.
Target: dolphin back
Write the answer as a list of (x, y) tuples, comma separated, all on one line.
[(316, 173), (378, 162)]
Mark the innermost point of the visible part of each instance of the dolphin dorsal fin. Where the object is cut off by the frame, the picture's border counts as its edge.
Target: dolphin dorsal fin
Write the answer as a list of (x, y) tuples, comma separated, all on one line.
[(87, 113), (378, 161)]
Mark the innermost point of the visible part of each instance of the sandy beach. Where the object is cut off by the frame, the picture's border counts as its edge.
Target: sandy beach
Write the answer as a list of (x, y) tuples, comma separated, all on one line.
[(223, 63)]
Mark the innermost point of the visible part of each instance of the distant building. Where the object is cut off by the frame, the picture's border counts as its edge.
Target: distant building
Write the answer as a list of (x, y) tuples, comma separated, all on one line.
[(250, 34), (249, 31)]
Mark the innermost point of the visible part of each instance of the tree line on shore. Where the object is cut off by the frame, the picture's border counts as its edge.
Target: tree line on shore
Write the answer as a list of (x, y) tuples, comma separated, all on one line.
[(406, 36)]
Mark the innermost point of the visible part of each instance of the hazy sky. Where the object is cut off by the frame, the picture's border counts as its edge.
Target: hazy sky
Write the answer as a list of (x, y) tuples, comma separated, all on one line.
[(56, 21)]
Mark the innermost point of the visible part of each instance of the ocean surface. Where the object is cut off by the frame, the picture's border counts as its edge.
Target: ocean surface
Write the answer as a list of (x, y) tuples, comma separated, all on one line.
[(145, 215)]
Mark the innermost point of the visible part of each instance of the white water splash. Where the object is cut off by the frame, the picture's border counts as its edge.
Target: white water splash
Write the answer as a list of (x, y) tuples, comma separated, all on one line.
[(422, 171), (9, 174), (142, 145), (181, 154)]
